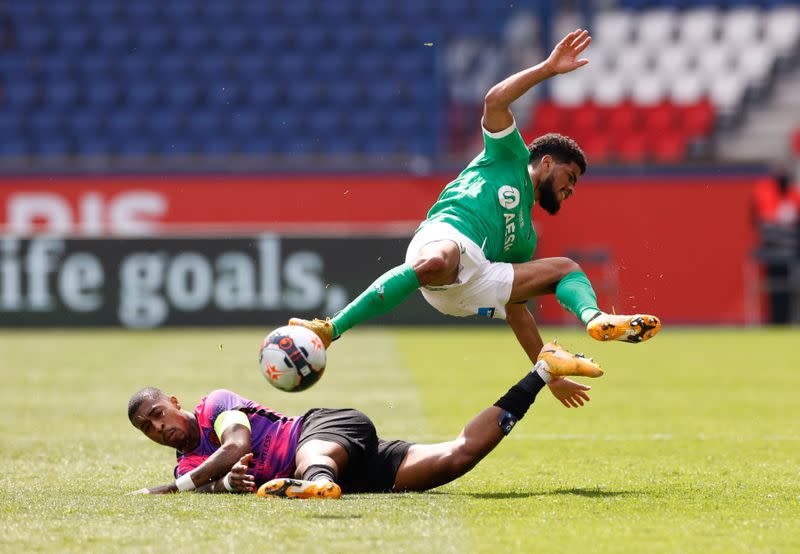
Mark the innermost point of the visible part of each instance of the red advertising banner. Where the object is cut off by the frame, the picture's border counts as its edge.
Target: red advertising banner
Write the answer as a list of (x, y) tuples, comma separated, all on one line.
[(680, 247)]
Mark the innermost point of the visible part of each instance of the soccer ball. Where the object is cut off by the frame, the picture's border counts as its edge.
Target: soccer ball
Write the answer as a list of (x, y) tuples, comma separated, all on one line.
[(292, 358)]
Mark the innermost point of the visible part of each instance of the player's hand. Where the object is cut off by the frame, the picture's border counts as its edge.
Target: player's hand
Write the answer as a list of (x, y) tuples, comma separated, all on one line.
[(564, 57), (161, 489), (240, 480), (570, 393)]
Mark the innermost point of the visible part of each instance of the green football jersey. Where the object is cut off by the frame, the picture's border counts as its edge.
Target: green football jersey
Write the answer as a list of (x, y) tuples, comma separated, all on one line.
[(491, 200)]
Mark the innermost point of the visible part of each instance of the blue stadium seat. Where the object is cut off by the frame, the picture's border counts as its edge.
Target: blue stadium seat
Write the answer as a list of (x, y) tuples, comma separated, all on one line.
[(224, 93), (85, 122), (143, 94), (297, 11), (233, 40), (163, 123), (180, 12), (247, 124), (204, 123), (62, 94), (153, 38), (336, 13), (285, 122), (260, 145), (264, 94), (103, 93), (102, 13), (114, 38), (183, 94), (21, 95), (11, 124), (345, 94), (53, 145), (343, 144), (141, 14), (73, 38), (305, 94), (172, 65), (178, 145), (94, 145), (91, 65), (35, 38), (326, 123), (250, 66), (122, 123), (132, 67), (45, 123), (212, 66), (15, 146), (192, 38), (293, 65), (136, 146), (313, 39), (218, 145)]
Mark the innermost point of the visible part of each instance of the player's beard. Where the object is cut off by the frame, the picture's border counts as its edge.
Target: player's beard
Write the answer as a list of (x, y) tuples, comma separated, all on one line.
[(548, 199)]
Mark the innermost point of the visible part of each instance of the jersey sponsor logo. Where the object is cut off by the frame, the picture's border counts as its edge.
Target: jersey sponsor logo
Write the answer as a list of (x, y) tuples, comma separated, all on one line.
[(510, 231), (508, 196), (486, 312)]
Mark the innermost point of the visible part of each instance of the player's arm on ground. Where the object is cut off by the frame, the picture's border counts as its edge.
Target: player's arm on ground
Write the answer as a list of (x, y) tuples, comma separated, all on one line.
[(570, 393), (564, 58), (234, 434)]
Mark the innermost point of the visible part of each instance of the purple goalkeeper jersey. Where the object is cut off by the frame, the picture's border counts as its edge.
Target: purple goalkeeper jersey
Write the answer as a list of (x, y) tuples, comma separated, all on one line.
[(273, 436)]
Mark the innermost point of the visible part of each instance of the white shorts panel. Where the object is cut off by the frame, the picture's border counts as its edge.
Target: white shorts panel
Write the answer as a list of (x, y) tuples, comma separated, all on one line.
[(481, 288)]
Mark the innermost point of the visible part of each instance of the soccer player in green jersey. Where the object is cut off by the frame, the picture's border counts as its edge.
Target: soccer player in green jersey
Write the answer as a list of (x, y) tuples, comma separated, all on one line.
[(473, 253)]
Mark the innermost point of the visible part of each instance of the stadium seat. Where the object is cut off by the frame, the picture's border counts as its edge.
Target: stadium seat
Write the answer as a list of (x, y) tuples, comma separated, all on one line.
[(698, 119), (698, 27), (782, 28), (656, 27), (632, 148), (668, 147)]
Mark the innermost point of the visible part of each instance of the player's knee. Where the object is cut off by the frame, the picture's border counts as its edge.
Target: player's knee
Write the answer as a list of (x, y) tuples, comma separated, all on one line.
[(567, 266)]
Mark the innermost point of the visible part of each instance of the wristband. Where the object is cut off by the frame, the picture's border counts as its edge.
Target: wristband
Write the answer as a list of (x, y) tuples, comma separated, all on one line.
[(185, 483), (226, 482)]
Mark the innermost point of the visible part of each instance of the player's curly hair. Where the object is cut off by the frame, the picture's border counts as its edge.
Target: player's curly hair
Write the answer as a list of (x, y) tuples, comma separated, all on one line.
[(151, 393), (563, 150)]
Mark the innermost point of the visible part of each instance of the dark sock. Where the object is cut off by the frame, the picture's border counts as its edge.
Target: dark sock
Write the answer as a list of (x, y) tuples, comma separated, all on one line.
[(315, 472), (520, 397)]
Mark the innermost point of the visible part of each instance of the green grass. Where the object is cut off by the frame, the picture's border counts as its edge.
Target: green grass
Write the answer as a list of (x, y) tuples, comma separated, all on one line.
[(691, 444)]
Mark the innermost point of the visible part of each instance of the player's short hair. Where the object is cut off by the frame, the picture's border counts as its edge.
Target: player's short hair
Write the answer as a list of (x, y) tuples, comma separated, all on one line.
[(563, 149), (147, 393)]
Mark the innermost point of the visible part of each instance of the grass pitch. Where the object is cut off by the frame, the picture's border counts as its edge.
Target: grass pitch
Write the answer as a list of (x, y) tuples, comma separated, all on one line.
[(691, 444)]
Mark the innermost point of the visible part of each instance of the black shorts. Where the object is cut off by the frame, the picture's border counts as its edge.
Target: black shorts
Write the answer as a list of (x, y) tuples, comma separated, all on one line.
[(372, 462)]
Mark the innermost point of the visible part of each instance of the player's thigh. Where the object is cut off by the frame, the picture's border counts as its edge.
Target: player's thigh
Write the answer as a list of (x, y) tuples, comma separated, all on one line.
[(319, 452), (539, 277), (436, 263)]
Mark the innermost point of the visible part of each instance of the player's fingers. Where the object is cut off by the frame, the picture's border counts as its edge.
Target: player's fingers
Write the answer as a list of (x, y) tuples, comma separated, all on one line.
[(581, 46), (583, 395), (578, 38), (578, 399), (564, 401), (572, 402), (246, 458)]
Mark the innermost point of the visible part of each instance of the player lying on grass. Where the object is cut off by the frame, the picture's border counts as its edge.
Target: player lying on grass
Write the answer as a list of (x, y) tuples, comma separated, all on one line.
[(473, 254), (231, 444)]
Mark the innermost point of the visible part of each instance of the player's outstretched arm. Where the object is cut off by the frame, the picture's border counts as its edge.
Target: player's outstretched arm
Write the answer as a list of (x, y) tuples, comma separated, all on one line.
[(563, 59)]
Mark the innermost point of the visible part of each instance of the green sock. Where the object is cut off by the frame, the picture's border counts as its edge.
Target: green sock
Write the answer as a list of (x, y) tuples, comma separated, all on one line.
[(387, 292), (576, 294)]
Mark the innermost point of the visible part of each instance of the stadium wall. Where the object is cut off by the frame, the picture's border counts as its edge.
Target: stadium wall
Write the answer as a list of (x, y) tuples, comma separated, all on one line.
[(678, 246)]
